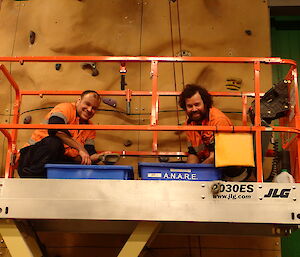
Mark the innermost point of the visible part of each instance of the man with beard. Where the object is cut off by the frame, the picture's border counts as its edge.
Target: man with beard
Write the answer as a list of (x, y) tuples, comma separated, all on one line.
[(62, 145), (197, 103)]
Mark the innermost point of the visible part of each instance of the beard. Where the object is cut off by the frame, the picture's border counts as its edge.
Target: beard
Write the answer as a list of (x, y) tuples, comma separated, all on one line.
[(198, 116)]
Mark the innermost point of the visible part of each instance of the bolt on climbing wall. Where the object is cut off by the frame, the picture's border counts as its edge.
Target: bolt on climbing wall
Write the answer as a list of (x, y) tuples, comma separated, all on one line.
[(130, 28)]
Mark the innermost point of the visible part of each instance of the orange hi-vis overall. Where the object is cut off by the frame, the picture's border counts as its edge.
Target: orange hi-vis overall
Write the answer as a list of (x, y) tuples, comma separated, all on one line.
[(66, 111), (200, 140)]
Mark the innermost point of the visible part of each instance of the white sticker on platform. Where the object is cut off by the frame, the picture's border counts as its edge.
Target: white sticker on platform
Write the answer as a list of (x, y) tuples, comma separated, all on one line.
[(154, 175)]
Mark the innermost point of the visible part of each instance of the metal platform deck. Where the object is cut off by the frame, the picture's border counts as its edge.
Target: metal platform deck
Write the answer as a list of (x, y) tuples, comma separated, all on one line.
[(143, 209), (150, 201)]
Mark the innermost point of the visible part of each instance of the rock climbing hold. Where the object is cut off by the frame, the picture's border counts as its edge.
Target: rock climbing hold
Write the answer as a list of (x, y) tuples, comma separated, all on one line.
[(233, 83), (32, 37), (128, 143), (184, 53), (110, 158), (248, 32), (92, 67), (57, 66), (27, 119), (110, 102)]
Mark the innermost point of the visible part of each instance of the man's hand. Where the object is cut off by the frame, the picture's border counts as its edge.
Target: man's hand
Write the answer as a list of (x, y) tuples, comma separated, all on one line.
[(192, 158), (210, 159), (85, 157)]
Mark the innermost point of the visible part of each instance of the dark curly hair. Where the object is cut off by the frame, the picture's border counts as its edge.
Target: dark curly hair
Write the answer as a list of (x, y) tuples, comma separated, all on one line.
[(191, 89)]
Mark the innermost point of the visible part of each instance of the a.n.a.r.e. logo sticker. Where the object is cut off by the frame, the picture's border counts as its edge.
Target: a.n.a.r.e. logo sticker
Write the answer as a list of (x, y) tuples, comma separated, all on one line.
[(277, 193)]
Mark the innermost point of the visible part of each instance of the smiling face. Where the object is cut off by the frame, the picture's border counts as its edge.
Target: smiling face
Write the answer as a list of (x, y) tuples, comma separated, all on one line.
[(195, 108), (86, 106)]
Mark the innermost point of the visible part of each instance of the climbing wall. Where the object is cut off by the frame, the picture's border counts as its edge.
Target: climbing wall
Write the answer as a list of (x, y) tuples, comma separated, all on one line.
[(133, 28)]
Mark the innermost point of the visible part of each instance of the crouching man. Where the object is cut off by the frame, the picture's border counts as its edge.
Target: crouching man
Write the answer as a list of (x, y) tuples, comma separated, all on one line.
[(62, 146)]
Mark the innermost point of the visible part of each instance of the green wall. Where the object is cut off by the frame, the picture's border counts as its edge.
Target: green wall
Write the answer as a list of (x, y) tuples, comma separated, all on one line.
[(285, 35), (290, 246)]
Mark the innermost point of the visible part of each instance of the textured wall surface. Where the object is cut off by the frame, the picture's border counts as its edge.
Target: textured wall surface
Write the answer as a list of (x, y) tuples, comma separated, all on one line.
[(134, 28)]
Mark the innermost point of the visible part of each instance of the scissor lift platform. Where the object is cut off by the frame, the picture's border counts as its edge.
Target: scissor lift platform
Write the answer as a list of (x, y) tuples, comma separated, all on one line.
[(150, 200), (143, 208), (146, 207)]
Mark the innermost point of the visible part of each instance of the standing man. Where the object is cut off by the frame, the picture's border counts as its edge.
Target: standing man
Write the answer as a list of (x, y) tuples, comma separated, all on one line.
[(197, 103), (62, 145)]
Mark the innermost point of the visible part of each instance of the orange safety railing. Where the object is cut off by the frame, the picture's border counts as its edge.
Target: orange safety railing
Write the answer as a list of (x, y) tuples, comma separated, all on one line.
[(288, 125)]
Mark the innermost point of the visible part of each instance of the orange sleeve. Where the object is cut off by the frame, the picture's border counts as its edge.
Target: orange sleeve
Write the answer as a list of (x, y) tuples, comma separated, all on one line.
[(90, 137), (64, 111), (188, 137)]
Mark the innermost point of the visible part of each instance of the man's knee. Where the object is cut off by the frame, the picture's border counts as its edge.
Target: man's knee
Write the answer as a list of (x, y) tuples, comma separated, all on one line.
[(34, 157), (54, 144)]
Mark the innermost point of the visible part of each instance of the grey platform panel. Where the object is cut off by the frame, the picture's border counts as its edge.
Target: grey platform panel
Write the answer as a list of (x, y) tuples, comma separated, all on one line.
[(173, 201)]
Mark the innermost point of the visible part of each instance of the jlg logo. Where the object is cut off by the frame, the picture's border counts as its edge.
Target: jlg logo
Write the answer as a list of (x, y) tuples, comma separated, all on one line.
[(274, 193)]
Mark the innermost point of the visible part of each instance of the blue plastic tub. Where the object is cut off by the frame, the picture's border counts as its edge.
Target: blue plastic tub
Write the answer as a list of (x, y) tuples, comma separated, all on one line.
[(70, 171), (178, 171)]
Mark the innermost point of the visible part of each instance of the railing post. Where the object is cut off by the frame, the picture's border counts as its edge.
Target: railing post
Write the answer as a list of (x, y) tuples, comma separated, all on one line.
[(244, 108), (257, 122), (297, 123), (8, 164), (154, 102), (12, 148)]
